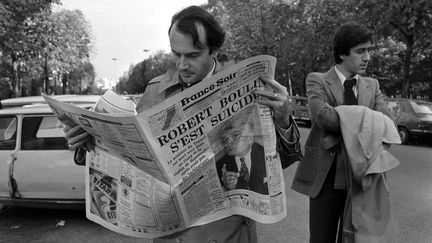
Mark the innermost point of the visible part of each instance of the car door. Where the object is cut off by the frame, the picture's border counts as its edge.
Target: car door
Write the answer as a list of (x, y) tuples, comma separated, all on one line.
[(8, 145), (44, 167)]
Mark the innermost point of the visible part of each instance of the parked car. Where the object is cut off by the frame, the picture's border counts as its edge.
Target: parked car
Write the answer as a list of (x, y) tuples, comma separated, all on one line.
[(300, 110), (38, 100), (36, 166), (413, 118)]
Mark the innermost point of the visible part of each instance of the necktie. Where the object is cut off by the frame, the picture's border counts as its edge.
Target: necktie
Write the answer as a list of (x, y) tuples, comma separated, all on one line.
[(350, 98), (244, 172)]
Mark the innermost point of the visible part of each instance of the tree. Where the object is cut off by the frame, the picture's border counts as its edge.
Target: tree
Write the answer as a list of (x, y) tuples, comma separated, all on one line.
[(258, 27), (81, 78), (68, 46), (136, 80), (298, 33), (15, 42), (405, 21), (38, 43), (386, 64)]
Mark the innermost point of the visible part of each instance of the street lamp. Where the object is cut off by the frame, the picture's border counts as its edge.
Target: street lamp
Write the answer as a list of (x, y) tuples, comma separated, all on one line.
[(289, 77), (146, 51), (115, 59)]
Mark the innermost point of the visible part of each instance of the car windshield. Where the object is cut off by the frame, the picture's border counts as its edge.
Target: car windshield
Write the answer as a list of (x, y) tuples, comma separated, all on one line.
[(302, 102), (421, 107)]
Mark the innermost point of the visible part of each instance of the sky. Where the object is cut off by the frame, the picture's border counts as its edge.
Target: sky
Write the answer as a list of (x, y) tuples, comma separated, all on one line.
[(125, 32)]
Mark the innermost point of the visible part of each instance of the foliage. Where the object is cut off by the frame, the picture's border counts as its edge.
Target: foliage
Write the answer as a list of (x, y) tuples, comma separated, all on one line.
[(300, 33), (40, 50), (81, 78), (15, 41), (39, 47), (408, 22), (139, 75)]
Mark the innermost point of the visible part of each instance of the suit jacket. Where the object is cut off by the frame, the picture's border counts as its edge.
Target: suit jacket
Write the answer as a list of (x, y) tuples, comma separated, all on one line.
[(257, 179), (325, 91)]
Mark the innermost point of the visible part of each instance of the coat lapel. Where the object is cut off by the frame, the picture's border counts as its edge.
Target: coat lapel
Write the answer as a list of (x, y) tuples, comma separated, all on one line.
[(335, 87), (364, 92)]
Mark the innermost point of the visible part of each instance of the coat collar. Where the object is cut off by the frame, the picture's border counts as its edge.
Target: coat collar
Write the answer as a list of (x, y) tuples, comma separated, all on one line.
[(335, 86), (172, 78), (366, 92)]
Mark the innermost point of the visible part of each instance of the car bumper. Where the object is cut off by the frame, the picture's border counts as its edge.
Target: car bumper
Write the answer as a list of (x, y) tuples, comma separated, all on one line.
[(419, 132), (302, 119), (44, 203)]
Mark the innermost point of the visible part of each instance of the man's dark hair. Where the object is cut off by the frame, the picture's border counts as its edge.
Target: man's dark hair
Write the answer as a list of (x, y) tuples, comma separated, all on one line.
[(348, 36), (185, 21)]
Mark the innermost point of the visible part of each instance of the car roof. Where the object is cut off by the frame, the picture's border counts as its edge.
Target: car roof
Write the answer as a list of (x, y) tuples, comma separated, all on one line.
[(407, 99), (32, 100), (35, 109)]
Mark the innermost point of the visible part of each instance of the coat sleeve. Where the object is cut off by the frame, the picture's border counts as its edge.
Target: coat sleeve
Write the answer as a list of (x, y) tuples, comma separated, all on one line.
[(288, 144), (322, 110), (380, 104), (80, 156)]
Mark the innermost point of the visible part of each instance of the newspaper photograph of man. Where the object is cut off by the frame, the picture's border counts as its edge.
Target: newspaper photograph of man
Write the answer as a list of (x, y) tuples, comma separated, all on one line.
[(243, 165)]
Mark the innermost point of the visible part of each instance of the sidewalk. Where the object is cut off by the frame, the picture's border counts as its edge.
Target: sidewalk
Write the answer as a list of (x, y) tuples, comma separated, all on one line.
[(295, 227)]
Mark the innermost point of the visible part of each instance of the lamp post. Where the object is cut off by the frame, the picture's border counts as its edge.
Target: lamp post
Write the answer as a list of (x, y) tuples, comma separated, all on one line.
[(146, 51), (115, 59), (289, 77)]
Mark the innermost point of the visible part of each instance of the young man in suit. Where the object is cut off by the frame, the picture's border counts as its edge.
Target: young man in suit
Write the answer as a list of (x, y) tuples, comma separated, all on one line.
[(321, 174)]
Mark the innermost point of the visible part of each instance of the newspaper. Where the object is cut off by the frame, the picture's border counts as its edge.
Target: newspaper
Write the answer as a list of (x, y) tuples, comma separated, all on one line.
[(163, 170)]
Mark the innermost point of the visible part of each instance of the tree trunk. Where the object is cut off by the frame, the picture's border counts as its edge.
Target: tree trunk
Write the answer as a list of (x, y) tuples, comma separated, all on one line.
[(46, 83), (65, 83), (405, 84), (16, 87)]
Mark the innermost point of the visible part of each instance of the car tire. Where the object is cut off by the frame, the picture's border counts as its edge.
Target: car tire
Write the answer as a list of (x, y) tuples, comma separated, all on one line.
[(403, 134), (2, 207)]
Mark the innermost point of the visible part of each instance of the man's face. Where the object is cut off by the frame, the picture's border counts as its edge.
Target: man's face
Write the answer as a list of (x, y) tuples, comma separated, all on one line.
[(238, 141), (193, 64), (357, 60)]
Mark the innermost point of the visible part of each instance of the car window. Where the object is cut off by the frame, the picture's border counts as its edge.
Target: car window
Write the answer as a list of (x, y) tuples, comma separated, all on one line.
[(301, 102), (50, 127), (42, 133), (394, 107), (421, 107), (8, 128)]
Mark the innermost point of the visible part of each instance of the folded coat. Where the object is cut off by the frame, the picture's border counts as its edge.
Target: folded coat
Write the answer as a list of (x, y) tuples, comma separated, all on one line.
[(367, 134)]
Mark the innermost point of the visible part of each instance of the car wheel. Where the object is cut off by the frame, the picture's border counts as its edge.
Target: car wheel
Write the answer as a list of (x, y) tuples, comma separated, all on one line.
[(2, 207), (404, 135)]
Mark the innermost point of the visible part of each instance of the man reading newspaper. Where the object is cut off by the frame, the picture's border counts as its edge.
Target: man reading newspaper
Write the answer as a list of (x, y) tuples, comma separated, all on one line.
[(196, 38)]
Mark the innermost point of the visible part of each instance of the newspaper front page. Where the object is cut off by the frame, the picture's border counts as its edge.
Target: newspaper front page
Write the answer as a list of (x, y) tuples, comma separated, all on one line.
[(204, 154)]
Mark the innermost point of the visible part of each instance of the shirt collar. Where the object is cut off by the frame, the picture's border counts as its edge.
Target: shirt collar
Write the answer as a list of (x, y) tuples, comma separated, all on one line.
[(172, 77), (342, 77), (212, 70)]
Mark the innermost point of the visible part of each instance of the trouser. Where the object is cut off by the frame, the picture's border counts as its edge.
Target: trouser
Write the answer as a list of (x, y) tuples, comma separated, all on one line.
[(326, 211)]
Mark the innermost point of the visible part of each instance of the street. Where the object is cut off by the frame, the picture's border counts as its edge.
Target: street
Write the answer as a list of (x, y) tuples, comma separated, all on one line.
[(411, 197), (410, 187)]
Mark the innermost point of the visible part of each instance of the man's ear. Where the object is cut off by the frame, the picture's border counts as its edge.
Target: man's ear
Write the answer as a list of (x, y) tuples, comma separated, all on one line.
[(251, 139), (215, 52)]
